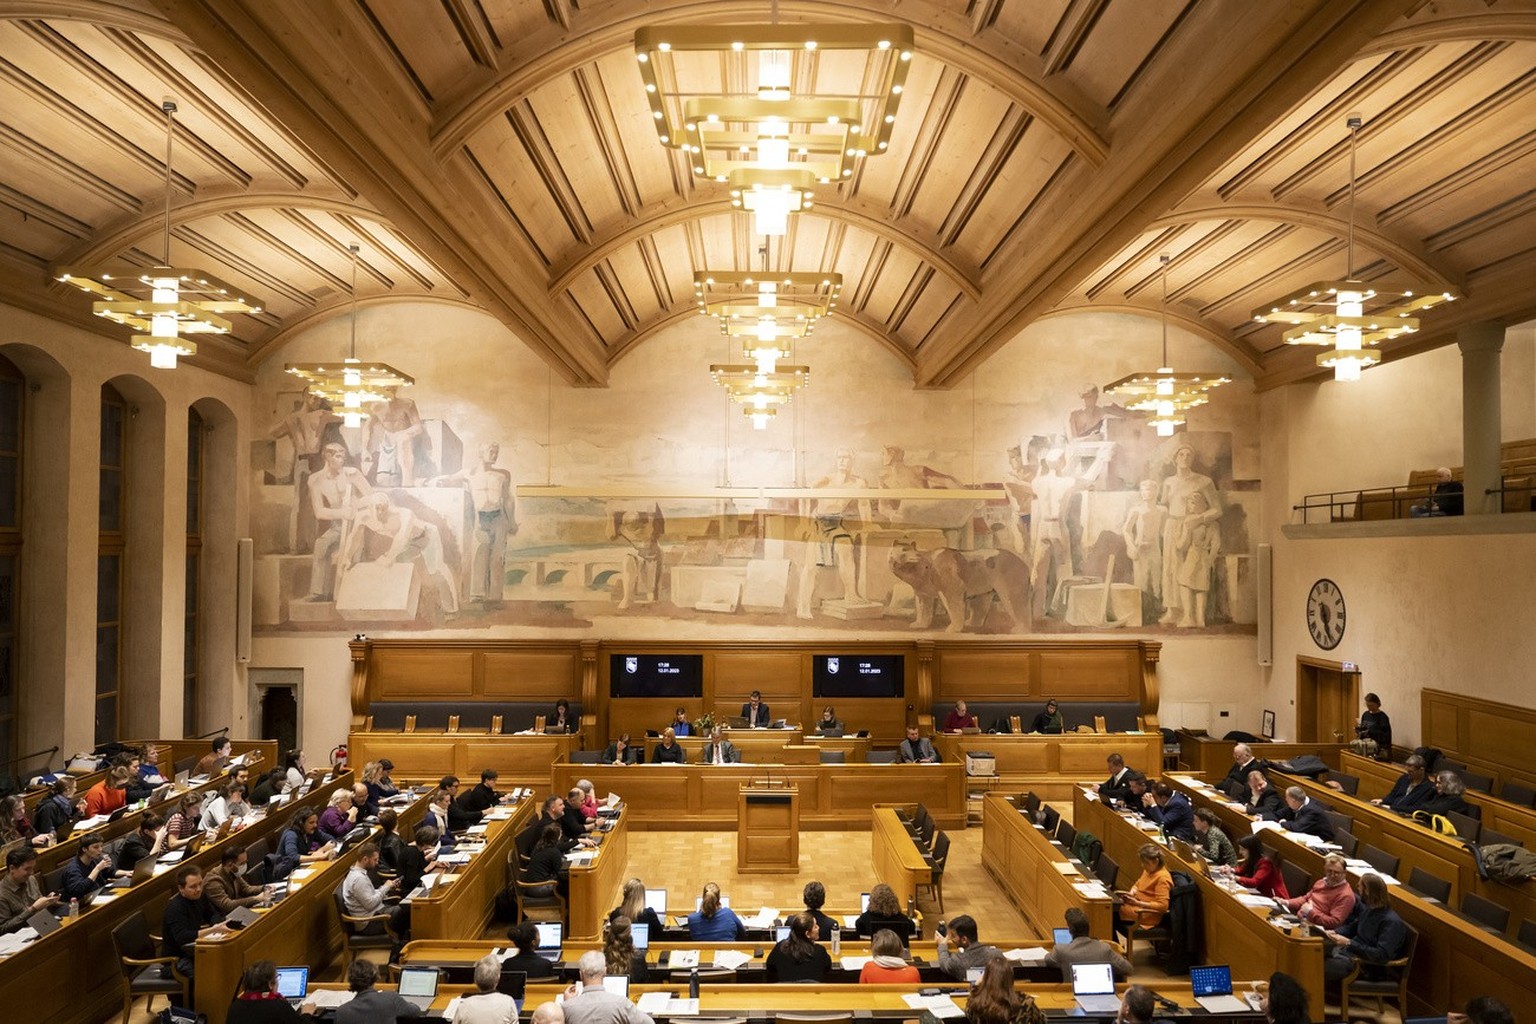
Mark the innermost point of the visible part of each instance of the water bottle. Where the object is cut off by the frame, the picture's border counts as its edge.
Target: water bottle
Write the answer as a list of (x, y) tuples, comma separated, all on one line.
[(911, 907), (74, 907), (693, 983), (837, 941)]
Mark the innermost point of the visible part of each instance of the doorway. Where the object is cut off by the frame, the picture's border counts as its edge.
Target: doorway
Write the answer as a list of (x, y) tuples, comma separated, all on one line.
[(275, 693), (1327, 701)]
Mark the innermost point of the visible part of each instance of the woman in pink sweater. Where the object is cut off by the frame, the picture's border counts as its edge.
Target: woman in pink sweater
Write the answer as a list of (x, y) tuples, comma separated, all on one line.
[(1330, 899)]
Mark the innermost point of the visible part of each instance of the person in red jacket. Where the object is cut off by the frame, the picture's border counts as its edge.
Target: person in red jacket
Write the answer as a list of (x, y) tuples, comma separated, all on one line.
[(109, 794), (1257, 871)]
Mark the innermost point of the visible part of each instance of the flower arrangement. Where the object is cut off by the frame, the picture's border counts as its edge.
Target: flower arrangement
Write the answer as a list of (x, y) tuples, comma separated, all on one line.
[(704, 723)]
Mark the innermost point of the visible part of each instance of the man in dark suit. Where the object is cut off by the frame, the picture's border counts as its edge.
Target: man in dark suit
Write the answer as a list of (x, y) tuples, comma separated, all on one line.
[(720, 750), (621, 751), (1170, 809), (1412, 790), (1305, 815), (572, 821), (1235, 784), (916, 749), (1118, 785), (756, 712)]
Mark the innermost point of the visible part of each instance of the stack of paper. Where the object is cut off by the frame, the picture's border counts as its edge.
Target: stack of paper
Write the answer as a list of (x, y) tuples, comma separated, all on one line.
[(731, 959), (329, 999), (1030, 955), (661, 1004), (1094, 890), (939, 1006), (1253, 899), (1065, 868), (850, 921), (854, 963), (763, 919)]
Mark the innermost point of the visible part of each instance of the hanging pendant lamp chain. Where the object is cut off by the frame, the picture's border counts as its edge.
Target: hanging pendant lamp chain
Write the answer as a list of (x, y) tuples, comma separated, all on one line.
[(1164, 260), (1354, 131), (169, 107), (352, 350)]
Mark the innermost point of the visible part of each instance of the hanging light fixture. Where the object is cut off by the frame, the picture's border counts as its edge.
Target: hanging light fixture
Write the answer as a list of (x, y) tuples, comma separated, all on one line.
[(1163, 393), (768, 312), (351, 385), (1351, 314), (165, 302)]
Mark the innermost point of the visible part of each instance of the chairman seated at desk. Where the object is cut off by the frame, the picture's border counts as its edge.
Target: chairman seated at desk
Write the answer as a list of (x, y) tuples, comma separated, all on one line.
[(668, 751), (720, 750), (622, 751), (1048, 721), (755, 711)]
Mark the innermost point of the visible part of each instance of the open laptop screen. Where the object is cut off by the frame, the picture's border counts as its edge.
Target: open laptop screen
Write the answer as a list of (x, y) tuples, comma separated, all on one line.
[(550, 936), (514, 984), (1093, 980), (418, 981), (863, 902), (1063, 936), (293, 982), (656, 899), (1213, 980), (641, 934), (618, 984)]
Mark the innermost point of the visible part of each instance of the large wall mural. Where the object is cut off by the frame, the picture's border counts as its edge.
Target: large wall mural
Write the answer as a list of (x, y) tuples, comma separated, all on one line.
[(1082, 520)]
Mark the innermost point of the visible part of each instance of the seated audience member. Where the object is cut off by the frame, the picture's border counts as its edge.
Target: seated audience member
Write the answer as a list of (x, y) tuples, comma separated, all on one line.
[(339, 816), (1257, 871), (1170, 809), (386, 783), (236, 805), (1286, 1001), (719, 750), (419, 859), (1412, 790), (213, 762), (545, 862), (1212, 840), (1084, 949), (572, 822), (959, 718), (916, 749), (224, 886), (362, 804), (1117, 786), (756, 712), (714, 922), (87, 870), (364, 899), (594, 1004), (1328, 903), (144, 841), (371, 774), (798, 957), (1235, 782), (524, 937), (1306, 815), (1449, 795), (884, 913), (1049, 721), (149, 765), (995, 999), (21, 896), (216, 809), (368, 1005), (259, 1002), (1146, 901), (560, 722), (589, 802), (668, 751), (268, 785), (391, 844), (680, 724), (1482, 1010), (188, 917), (108, 795), (969, 953), (301, 843), (485, 1005), (1445, 500), (1136, 1006), (814, 896), (619, 953), (460, 816), (1374, 936), (633, 906), (552, 813), (482, 796), (548, 1013), (886, 964), (1376, 725), (60, 807), (829, 722), (621, 751), (14, 824), (437, 812), (136, 788), (1262, 799), (294, 770), (186, 821)]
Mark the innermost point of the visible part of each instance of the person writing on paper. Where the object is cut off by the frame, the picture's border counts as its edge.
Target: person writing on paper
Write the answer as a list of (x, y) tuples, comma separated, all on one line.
[(1049, 721), (588, 1002), (916, 749), (798, 957), (1305, 815), (1117, 786), (668, 751), (714, 922), (995, 1000), (720, 750), (486, 1005), (755, 711), (621, 751), (959, 718), (419, 859), (884, 914), (259, 1001), (1329, 902), (1147, 900), (524, 937), (368, 1005), (886, 964), (1084, 949), (20, 894), (680, 724), (969, 953), (620, 954)]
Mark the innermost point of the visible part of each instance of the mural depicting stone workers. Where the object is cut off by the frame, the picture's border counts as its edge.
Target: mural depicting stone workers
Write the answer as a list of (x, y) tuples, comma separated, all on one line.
[(640, 579), (1087, 423), (1053, 489), (1021, 495), (394, 430), (305, 429), (1177, 487), (1143, 533), (895, 474), (837, 527), (334, 494), (1195, 548), (495, 500), (409, 539)]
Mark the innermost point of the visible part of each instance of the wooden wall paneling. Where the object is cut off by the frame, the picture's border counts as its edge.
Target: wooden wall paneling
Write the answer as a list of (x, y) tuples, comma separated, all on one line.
[(1090, 675), (1493, 738), (635, 715), (537, 675), (783, 677), (981, 675), (421, 674)]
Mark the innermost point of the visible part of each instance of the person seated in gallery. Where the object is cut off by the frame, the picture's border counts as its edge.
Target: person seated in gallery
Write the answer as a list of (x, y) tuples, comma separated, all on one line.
[(1170, 809), (482, 796), (213, 762), (886, 964), (524, 938), (1049, 721), (419, 859), (1117, 786), (959, 718), (1330, 900), (1412, 790), (719, 750), (799, 956), (1211, 839), (996, 1000), (1257, 870), (970, 952), (108, 795), (829, 724), (545, 862), (916, 749), (437, 813), (1235, 782), (680, 724), (1146, 901), (619, 951), (1372, 937), (668, 751), (1306, 815), (632, 905), (1450, 795), (339, 817), (884, 914), (755, 711), (560, 722), (1445, 500), (573, 822), (622, 751), (713, 921), (1083, 948), (814, 896), (1262, 799), (258, 1001)]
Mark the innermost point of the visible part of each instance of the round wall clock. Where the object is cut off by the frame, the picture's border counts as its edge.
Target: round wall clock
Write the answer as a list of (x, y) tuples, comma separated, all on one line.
[(1325, 614)]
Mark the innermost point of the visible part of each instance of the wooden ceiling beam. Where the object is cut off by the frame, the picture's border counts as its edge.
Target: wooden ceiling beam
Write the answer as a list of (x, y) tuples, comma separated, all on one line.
[(1206, 330)]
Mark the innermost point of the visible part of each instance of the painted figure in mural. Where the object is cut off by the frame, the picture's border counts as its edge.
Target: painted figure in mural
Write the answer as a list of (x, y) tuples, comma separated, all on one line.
[(305, 429), (1021, 494), (641, 578), (1087, 423), (394, 426), (333, 498), (1143, 533), (1197, 543), (895, 474), (836, 533), (1177, 487), (409, 539), (1053, 488), (964, 582), (490, 488)]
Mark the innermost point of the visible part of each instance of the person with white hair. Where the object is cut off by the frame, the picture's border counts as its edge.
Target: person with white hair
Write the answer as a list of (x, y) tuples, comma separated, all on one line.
[(1235, 784), (486, 1005), (548, 1013), (588, 1002)]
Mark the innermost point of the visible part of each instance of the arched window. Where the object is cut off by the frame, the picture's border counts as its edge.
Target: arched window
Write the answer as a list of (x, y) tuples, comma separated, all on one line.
[(13, 391), (192, 631), (111, 557)]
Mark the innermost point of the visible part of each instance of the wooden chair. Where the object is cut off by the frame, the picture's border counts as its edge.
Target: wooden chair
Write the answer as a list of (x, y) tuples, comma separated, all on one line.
[(940, 858), (1395, 987), (453, 723), (535, 906), (1098, 724), (1466, 828), (410, 723), (539, 722), (1346, 840), (357, 933), (496, 723), (367, 723), (1106, 870), (1478, 783), (1515, 793), (144, 973), (1014, 725), (1155, 935), (1297, 880), (1428, 886), (1485, 912)]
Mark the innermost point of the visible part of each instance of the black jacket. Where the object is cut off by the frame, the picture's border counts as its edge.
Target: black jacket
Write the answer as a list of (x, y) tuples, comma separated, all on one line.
[(263, 1011), (481, 798), (183, 918), (529, 963), (782, 967), (869, 922), (1406, 796), (1311, 820), (544, 865), (1111, 790), (632, 754)]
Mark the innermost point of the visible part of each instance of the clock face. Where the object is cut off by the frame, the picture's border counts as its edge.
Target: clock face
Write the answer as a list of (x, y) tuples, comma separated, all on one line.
[(1325, 614)]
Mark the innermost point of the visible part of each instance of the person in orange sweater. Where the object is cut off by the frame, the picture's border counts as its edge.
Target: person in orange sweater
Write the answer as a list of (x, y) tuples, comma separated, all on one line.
[(109, 794), (1147, 901), (887, 964)]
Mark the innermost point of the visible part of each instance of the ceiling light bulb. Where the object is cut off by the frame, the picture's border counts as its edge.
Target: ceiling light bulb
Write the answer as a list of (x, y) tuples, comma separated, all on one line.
[(767, 329), (773, 70)]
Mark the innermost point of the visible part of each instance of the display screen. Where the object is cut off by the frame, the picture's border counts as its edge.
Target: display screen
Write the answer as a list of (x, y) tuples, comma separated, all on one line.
[(656, 675), (862, 675)]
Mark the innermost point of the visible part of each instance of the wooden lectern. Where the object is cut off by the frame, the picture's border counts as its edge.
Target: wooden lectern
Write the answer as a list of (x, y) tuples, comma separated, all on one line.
[(768, 828)]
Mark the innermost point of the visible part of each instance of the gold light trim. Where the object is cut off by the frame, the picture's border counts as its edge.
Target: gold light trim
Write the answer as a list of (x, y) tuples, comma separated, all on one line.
[(741, 300)]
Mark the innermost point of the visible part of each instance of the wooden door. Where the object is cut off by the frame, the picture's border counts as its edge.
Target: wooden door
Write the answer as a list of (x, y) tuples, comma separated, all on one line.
[(1327, 701)]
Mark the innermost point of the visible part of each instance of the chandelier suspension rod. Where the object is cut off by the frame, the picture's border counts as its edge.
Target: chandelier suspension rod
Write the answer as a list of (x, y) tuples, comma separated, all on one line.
[(169, 107)]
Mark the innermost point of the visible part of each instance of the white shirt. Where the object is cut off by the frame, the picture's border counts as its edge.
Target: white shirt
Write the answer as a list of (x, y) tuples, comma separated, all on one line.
[(486, 1008)]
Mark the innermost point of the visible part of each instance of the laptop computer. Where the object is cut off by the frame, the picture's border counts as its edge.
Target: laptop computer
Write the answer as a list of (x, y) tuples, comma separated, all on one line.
[(832, 732), (781, 933), (293, 985), (863, 902), (779, 723), (514, 984), (640, 934), (656, 899), (551, 935), (1093, 986), (418, 986), (1212, 986), (182, 777), (1063, 936), (698, 902), (618, 984), (240, 917), (44, 923)]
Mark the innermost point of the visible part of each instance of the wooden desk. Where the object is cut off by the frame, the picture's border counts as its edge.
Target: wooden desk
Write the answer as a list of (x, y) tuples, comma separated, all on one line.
[(897, 860), (32, 797), (767, 828), (1050, 764), (172, 751), (300, 929), (1378, 777), (832, 796), (595, 888), (49, 978), (1024, 862), (463, 907), (1210, 755), (522, 760), (756, 746), (1248, 942), (1455, 959)]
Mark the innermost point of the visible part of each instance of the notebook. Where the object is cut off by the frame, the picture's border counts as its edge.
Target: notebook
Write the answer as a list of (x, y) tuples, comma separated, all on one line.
[(418, 986), (293, 984), (656, 899), (1212, 986), (1093, 986), (640, 932), (550, 937), (1063, 936)]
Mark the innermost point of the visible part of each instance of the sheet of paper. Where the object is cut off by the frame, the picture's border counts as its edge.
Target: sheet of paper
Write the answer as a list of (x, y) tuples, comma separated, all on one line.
[(1253, 899), (653, 1003), (682, 1008), (854, 963), (1095, 889), (850, 921), (1266, 826), (684, 958), (1064, 867), (452, 1009), (939, 1006), (1027, 955), (731, 959), (328, 999)]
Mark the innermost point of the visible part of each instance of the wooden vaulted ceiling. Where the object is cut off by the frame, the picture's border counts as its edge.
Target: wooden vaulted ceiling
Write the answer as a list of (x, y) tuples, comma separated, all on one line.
[(500, 154)]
